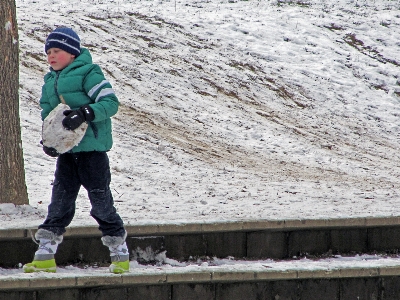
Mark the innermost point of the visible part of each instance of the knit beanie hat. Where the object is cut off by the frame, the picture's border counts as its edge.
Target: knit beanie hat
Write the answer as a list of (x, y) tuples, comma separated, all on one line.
[(64, 38)]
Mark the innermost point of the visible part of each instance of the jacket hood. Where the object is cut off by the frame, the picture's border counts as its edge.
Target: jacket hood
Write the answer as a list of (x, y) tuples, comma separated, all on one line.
[(83, 59)]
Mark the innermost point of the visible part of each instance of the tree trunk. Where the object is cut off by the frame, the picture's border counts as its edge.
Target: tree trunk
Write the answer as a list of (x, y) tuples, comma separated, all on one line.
[(12, 172)]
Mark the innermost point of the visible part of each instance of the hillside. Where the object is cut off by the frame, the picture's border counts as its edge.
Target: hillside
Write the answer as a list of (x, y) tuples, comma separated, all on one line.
[(231, 110)]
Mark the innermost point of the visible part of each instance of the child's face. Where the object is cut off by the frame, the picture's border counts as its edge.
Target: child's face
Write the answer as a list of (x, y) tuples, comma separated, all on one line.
[(58, 59)]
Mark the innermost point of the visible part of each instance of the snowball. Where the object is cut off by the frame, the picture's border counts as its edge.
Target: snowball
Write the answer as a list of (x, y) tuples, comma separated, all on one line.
[(54, 134)]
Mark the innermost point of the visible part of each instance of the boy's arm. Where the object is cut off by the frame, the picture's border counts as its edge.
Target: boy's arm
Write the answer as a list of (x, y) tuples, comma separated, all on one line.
[(104, 101), (45, 104)]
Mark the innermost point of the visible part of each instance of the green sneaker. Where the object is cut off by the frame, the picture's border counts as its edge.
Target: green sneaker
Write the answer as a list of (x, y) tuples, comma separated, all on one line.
[(118, 267), (119, 253), (40, 266), (44, 257)]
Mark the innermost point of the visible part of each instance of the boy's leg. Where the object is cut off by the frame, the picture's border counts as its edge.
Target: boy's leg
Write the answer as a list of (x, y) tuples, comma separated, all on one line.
[(60, 213), (95, 176), (94, 172), (65, 191)]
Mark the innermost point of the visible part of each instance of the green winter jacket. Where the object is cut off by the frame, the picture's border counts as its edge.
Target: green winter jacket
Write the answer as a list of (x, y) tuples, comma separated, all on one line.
[(80, 83)]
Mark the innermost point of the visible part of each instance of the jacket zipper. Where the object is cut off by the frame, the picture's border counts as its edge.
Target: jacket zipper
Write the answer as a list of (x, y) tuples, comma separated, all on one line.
[(94, 128), (55, 85)]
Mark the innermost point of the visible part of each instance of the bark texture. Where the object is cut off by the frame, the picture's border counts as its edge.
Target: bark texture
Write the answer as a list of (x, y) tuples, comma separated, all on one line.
[(12, 172)]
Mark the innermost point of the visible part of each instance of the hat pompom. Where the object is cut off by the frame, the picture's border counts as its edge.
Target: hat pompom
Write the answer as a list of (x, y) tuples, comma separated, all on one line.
[(64, 38)]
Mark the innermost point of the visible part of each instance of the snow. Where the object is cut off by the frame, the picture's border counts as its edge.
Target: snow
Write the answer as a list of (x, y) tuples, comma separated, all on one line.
[(231, 110), (8, 25), (221, 265)]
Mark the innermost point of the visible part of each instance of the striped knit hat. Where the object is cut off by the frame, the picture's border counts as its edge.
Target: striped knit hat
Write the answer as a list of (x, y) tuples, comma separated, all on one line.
[(64, 38)]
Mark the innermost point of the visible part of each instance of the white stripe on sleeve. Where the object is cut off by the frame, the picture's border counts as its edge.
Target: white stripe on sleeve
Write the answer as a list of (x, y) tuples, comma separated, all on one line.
[(94, 89), (103, 93)]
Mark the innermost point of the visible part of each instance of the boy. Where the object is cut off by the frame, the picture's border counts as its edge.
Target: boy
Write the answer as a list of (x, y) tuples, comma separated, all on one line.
[(74, 78)]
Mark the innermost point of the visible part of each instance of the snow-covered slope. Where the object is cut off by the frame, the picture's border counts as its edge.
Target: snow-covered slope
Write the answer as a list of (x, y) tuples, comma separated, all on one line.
[(230, 109)]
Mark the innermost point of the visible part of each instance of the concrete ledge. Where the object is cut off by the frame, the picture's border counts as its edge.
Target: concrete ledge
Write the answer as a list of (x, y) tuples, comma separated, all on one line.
[(176, 276), (254, 240), (7, 234), (294, 224), (230, 226)]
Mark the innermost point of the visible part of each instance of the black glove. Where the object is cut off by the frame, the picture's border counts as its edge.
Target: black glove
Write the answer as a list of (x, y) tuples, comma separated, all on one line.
[(50, 151), (74, 118)]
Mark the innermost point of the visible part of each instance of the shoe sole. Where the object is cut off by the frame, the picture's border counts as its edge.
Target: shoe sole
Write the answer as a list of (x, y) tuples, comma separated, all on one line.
[(34, 270)]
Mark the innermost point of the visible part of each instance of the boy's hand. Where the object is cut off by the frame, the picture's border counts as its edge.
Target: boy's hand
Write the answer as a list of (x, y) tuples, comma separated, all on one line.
[(74, 118), (50, 151)]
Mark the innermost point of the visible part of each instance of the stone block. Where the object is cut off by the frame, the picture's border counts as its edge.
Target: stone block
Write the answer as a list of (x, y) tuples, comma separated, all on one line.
[(10, 233), (360, 288), (189, 277), (384, 239), (390, 288), (14, 283), (52, 282), (183, 246), (106, 281), (177, 229), (244, 291), (9, 257), (382, 221), (149, 292), (142, 230), (144, 249), (319, 289), (312, 242), (319, 274), (359, 272), (59, 294), (349, 240), (234, 226), (272, 275), (267, 244), (224, 244), (238, 276), (193, 292), (101, 294), (18, 295), (82, 250), (389, 271), (285, 290), (263, 225), (133, 278)]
